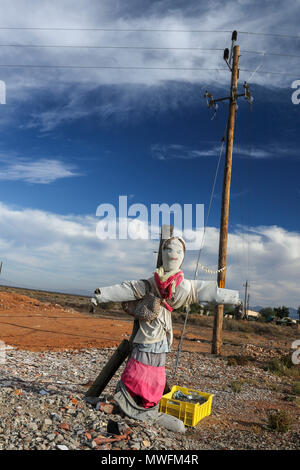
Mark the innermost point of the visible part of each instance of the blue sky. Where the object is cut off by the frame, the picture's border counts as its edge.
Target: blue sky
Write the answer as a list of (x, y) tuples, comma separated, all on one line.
[(75, 138)]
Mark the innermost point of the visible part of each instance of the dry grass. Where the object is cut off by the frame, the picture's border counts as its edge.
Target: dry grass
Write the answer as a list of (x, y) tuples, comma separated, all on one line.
[(242, 326), (259, 328), (279, 421), (257, 430), (236, 385), (283, 366), (239, 360), (296, 388)]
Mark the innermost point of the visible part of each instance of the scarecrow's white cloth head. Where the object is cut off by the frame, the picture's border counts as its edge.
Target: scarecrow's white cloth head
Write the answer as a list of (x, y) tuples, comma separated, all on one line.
[(173, 251)]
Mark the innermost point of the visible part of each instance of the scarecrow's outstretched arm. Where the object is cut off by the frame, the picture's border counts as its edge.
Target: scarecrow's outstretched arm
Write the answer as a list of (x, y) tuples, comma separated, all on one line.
[(128, 290), (208, 291)]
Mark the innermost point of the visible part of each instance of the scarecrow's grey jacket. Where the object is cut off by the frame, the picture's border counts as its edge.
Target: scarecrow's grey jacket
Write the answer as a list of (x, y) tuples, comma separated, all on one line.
[(188, 292)]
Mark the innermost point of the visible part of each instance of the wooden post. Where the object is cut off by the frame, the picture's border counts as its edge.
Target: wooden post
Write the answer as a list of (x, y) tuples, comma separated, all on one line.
[(109, 369), (113, 364), (166, 232), (245, 301), (218, 318)]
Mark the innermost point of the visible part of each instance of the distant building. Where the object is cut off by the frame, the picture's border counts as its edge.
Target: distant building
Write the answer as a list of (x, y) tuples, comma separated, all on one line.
[(252, 315)]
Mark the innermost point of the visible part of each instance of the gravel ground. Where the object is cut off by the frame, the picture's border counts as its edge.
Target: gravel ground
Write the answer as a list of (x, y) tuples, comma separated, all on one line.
[(42, 406)]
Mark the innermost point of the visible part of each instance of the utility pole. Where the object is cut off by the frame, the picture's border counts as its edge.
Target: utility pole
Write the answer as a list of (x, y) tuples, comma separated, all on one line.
[(232, 60), (245, 302)]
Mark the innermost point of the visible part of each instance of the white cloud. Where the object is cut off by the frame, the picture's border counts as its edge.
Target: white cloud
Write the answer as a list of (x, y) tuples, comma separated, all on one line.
[(177, 151), (127, 102), (174, 151), (50, 251), (182, 16), (134, 92), (42, 171)]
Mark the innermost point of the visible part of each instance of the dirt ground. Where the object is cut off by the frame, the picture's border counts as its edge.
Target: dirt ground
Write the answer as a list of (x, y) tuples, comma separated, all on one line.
[(36, 322), (43, 321)]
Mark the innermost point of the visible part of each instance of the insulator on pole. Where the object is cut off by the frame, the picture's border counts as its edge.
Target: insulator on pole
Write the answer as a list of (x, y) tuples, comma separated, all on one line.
[(209, 99), (234, 36), (226, 54), (248, 95)]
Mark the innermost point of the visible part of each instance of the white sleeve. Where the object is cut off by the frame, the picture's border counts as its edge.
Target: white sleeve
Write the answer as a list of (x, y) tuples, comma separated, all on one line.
[(128, 290), (208, 291)]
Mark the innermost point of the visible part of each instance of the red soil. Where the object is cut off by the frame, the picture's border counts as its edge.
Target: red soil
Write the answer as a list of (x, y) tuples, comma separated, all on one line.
[(27, 323), (30, 324)]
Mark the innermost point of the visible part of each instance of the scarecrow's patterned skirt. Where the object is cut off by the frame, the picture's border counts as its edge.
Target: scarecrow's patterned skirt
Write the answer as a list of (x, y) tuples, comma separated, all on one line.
[(144, 375)]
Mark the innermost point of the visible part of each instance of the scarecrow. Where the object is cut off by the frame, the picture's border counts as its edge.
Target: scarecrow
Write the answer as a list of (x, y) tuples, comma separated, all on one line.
[(143, 380)]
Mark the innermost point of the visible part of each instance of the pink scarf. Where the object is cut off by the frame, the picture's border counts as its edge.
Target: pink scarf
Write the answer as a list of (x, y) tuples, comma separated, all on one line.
[(165, 288)]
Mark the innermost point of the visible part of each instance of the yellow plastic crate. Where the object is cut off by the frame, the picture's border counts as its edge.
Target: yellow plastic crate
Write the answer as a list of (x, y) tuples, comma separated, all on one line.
[(189, 413)]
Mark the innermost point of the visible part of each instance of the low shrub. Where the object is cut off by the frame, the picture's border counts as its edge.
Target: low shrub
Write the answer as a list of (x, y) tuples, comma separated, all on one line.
[(109, 305), (284, 366), (239, 360), (296, 388), (279, 421), (236, 386)]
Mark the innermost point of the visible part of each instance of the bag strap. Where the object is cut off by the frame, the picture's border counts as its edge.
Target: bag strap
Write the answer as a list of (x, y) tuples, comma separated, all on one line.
[(147, 286)]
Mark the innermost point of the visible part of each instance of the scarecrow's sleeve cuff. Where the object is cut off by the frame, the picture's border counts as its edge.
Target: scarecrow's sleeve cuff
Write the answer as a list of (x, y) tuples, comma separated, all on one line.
[(208, 291), (227, 296), (128, 290)]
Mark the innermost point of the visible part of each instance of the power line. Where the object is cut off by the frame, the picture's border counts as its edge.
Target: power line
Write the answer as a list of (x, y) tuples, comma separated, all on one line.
[(141, 30), (272, 54), (127, 67), (127, 30), (256, 70), (86, 46), (112, 47), (108, 67), (272, 72), (210, 202), (286, 36)]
